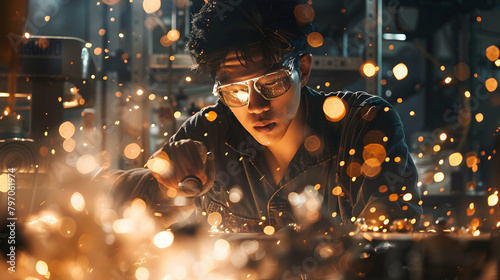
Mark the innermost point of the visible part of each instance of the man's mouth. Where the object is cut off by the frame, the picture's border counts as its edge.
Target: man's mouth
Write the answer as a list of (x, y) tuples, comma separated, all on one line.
[(265, 128)]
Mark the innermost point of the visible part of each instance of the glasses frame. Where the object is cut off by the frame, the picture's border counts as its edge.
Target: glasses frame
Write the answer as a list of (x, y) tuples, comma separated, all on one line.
[(217, 86)]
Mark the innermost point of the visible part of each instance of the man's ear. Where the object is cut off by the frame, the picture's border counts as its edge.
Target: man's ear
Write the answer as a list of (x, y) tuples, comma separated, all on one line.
[(305, 68)]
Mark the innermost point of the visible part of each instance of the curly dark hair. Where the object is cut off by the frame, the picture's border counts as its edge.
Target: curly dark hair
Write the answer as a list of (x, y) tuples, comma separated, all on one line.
[(247, 26)]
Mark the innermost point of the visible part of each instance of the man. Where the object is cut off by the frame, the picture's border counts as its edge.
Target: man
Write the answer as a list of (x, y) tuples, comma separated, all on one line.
[(242, 163)]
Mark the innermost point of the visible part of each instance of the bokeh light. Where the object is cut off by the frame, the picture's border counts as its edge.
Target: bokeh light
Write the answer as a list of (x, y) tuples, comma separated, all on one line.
[(151, 6), (42, 268), (303, 14), (86, 164), (66, 130), (315, 39), (400, 71), (492, 52), (438, 177), (77, 201), (368, 69), (211, 116), (163, 239), (455, 159), (132, 151), (491, 84), (173, 35), (493, 199), (142, 273), (334, 108)]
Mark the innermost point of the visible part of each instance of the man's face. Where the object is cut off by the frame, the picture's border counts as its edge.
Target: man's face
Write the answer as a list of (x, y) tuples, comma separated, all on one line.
[(266, 120)]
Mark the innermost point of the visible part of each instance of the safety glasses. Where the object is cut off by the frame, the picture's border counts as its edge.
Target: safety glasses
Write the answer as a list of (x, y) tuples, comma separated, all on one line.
[(269, 86)]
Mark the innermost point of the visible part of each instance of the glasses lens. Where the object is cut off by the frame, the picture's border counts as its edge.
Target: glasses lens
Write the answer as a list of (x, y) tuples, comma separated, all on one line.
[(234, 95), (274, 85)]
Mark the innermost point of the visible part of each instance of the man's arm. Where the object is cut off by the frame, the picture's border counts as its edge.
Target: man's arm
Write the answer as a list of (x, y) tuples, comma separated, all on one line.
[(379, 174)]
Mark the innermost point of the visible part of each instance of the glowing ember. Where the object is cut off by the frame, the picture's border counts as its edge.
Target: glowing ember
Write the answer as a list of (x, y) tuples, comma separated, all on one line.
[(151, 6), (492, 200), (66, 130), (42, 268), (163, 239), (368, 69), (77, 201), (315, 39), (334, 108), (132, 151), (400, 71), (269, 230), (443, 136), (438, 177)]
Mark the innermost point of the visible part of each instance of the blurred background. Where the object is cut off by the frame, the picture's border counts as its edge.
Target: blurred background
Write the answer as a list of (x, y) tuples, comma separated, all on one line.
[(92, 84)]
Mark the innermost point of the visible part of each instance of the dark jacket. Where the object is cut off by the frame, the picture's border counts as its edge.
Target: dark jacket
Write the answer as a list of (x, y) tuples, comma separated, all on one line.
[(342, 152)]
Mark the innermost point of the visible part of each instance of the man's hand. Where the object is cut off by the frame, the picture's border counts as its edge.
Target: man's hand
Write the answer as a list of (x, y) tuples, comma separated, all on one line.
[(183, 166)]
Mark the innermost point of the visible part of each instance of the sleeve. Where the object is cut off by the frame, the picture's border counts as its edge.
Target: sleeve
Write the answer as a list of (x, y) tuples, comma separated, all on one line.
[(378, 174)]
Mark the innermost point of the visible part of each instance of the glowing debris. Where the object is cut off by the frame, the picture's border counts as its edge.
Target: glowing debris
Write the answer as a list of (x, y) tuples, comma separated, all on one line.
[(188, 79), (163, 239), (467, 94), (334, 108), (442, 136), (77, 201), (177, 114), (97, 51), (400, 71)]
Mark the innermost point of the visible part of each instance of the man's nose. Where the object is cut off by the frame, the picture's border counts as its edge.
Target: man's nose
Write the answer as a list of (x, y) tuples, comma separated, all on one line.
[(256, 103)]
